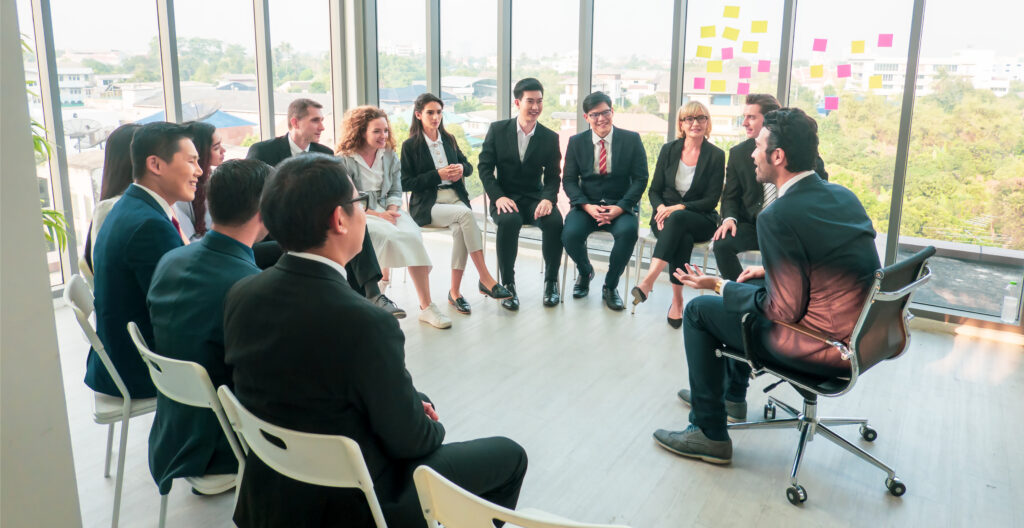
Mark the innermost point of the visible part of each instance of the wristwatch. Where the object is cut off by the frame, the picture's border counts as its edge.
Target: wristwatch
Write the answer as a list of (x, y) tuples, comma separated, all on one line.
[(718, 286)]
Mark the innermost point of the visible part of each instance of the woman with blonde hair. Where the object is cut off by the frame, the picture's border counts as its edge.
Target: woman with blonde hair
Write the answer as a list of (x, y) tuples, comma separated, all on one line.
[(685, 188), (367, 151)]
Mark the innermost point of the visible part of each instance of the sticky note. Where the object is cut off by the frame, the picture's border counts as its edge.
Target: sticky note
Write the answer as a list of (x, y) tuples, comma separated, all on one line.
[(750, 46), (731, 33), (714, 66), (820, 44), (759, 26), (743, 88), (707, 31), (764, 66), (718, 85), (843, 70), (817, 71), (831, 103), (875, 81), (699, 83), (857, 46), (704, 52), (744, 72), (731, 12), (885, 40), (726, 53)]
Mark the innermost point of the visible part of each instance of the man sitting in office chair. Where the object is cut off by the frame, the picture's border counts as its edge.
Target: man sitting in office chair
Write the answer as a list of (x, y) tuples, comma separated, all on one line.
[(818, 248)]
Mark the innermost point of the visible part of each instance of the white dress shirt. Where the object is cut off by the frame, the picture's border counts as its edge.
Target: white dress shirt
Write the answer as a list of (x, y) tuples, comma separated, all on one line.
[(597, 151), (159, 199), (321, 259), (684, 177), (295, 148), (523, 138), (372, 178), (785, 187), (437, 153)]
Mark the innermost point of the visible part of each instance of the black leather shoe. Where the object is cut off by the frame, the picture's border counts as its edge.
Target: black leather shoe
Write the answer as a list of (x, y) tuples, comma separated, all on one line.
[(497, 292), (551, 297), (582, 287), (512, 303), (383, 302), (460, 304), (611, 298)]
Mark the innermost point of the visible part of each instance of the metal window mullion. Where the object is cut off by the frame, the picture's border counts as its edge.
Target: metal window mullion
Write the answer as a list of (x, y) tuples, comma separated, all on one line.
[(434, 47), (170, 77), (339, 60), (675, 97), (786, 51), (264, 69), (585, 70), (367, 71), (504, 59)]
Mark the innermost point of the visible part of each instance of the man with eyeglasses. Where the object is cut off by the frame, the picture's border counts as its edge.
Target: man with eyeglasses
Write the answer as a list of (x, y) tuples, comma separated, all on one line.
[(605, 175)]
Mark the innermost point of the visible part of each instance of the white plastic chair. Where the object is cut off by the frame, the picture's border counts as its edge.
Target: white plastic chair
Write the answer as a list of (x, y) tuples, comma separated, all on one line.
[(187, 383), (323, 460), (649, 238), (446, 504), (108, 410)]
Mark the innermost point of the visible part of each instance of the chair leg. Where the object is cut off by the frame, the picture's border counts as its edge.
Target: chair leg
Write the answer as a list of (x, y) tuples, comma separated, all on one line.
[(864, 455), (565, 270), (641, 245), (784, 406), (805, 436), (163, 511), (110, 450), (119, 482), (783, 423), (842, 421)]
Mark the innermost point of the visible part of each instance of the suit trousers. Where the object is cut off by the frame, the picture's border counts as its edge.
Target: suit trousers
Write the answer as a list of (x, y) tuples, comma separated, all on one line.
[(579, 225), (675, 242), (507, 238), (449, 211), (727, 250)]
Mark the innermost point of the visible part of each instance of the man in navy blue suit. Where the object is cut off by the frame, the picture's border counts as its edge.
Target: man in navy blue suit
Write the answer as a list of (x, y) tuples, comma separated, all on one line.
[(139, 230), (186, 304)]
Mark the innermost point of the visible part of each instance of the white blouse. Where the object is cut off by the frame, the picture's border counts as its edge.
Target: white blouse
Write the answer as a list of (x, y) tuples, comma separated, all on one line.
[(372, 178), (684, 177)]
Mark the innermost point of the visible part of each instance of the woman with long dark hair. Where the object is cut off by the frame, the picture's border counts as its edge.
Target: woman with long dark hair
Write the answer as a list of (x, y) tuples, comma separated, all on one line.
[(434, 168), (117, 176), (193, 216)]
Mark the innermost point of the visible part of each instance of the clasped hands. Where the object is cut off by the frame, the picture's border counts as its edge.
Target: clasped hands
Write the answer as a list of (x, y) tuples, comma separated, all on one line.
[(603, 214), (696, 279), (664, 211), (452, 173), (391, 214)]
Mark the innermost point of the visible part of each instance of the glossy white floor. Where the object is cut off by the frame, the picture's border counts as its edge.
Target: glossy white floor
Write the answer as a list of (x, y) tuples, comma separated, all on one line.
[(582, 388)]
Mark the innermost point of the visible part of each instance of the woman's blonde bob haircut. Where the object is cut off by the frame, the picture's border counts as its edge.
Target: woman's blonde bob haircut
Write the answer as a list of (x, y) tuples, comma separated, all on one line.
[(693, 108)]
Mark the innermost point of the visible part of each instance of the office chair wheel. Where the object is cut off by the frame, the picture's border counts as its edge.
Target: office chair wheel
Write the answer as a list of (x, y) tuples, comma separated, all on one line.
[(797, 495), (896, 486), (769, 411), (868, 433)]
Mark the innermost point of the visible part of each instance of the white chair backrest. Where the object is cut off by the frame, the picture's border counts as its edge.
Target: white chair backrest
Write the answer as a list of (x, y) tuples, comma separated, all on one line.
[(447, 504), (323, 460), (78, 296)]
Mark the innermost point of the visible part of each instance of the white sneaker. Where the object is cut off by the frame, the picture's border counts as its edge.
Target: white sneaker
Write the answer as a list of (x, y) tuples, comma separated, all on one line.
[(212, 484), (432, 316)]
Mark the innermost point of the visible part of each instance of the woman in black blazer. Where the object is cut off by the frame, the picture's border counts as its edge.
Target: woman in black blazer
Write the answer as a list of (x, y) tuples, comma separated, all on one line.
[(433, 168), (685, 189)]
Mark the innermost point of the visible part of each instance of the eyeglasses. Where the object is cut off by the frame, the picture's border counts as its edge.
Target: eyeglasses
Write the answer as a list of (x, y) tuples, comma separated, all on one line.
[(599, 115), (361, 200), (698, 118)]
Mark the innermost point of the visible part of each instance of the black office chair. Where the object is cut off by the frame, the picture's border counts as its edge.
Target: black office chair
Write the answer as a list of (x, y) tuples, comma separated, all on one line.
[(881, 333)]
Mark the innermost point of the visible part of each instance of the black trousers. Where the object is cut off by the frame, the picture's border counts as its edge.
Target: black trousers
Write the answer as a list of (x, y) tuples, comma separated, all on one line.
[(579, 225), (675, 242), (362, 271), (728, 249), (507, 238)]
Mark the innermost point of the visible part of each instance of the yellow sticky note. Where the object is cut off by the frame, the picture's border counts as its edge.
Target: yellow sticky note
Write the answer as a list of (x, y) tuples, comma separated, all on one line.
[(857, 46), (731, 12), (704, 52), (718, 85), (750, 46), (714, 66), (707, 31), (817, 71), (731, 33), (875, 81), (759, 26)]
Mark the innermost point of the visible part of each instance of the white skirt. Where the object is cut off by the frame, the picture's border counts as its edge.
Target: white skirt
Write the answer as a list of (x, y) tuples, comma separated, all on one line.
[(397, 245)]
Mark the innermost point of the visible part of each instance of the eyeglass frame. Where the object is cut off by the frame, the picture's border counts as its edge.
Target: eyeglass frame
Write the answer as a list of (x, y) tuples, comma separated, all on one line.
[(597, 115), (361, 196), (700, 119)]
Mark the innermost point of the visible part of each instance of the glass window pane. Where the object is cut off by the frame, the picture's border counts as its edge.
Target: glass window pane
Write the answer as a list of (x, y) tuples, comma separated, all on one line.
[(545, 45), (401, 60)]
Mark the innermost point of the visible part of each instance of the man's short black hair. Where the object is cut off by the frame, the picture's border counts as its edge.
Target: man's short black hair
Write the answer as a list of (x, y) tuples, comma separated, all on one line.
[(234, 191), (594, 99), (796, 133), (528, 84), (159, 139), (300, 197)]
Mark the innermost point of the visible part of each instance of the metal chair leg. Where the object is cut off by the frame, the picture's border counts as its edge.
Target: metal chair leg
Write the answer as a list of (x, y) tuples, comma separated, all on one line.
[(119, 482), (565, 266), (842, 421), (110, 450), (782, 423), (805, 436), (864, 455), (163, 511)]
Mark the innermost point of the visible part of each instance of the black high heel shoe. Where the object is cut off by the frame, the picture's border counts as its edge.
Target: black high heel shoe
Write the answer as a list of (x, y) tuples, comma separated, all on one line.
[(674, 323), (638, 295)]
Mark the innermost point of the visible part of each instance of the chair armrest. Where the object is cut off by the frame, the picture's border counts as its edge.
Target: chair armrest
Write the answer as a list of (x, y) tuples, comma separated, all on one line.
[(814, 334)]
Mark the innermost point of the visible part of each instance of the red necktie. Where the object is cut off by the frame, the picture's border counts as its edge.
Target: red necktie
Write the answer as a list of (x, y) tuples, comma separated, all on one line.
[(602, 162), (178, 227)]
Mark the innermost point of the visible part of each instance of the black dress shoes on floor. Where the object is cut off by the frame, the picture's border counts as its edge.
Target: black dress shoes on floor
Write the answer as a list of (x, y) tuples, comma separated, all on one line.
[(582, 287), (497, 292), (511, 303), (612, 299), (674, 323), (460, 304), (551, 297)]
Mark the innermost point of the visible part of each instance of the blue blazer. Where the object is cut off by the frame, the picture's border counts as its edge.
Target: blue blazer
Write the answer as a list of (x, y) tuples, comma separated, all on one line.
[(134, 236), (186, 304), (623, 186)]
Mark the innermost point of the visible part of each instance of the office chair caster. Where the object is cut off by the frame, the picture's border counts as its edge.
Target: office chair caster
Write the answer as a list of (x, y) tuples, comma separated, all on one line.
[(769, 411), (796, 494), (896, 487), (868, 433)]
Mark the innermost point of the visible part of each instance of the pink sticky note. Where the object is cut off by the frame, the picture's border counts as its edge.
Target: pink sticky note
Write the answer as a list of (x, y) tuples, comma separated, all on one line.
[(764, 66), (885, 40), (831, 103), (699, 83), (744, 72), (843, 70), (742, 88), (820, 44), (726, 53)]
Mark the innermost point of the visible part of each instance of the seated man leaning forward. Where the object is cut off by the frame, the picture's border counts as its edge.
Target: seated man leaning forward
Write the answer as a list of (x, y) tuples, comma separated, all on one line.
[(311, 354), (819, 255)]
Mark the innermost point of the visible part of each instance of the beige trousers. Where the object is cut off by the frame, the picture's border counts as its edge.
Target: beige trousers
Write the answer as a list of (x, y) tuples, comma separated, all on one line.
[(448, 211)]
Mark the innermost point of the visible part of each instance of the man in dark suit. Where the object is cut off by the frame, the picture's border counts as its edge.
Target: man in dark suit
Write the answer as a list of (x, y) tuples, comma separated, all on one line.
[(744, 198), (522, 151), (310, 354), (605, 176), (305, 124), (819, 254), (186, 304), (138, 231)]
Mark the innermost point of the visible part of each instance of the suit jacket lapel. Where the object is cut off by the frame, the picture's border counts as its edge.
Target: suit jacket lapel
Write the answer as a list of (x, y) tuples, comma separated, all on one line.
[(449, 151), (587, 156), (283, 148), (702, 160), (135, 192), (513, 138), (674, 155), (617, 147)]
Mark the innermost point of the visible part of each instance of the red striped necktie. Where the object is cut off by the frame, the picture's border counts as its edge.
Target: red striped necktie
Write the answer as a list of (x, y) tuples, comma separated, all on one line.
[(602, 163)]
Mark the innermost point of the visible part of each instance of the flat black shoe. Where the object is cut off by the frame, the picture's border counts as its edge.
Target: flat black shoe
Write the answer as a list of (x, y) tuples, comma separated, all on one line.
[(582, 287), (612, 299), (497, 292), (512, 303), (638, 295), (460, 304), (674, 323), (389, 305), (551, 297)]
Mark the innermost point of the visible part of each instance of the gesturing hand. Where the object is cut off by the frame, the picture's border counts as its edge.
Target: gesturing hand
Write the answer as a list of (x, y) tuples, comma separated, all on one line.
[(695, 278), (728, 226), (751, 273)]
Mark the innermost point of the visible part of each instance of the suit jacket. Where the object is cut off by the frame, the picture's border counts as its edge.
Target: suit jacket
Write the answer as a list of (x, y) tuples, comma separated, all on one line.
[(311, 354), (420, 176), (186, 304), (623, 186), (702, 197), (134, 236), (517, 179), (390, 190), (819, 255), (743, 196), (274, 151)]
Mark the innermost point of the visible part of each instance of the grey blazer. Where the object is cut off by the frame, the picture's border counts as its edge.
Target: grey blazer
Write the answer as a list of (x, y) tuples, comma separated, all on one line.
[(390, 191)]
